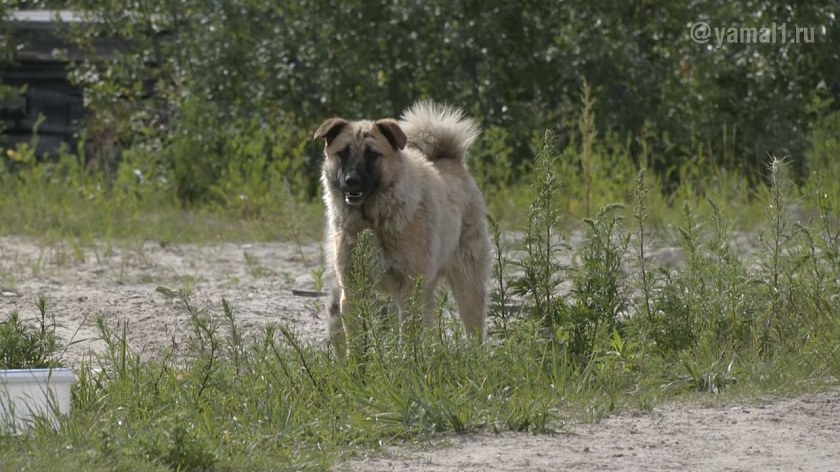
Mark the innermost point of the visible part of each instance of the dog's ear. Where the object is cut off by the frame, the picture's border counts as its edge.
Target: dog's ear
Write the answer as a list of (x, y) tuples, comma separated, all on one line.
[(392, 132), (330, 129)]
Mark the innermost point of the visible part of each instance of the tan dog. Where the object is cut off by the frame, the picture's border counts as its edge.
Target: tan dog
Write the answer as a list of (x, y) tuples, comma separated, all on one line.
[(408, 183)]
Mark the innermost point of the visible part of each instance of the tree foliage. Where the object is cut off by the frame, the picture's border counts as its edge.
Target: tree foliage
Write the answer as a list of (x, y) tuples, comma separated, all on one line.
[(187, 73)]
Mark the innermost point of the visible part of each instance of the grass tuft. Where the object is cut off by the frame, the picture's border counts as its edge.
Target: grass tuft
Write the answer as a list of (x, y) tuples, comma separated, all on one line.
[(30, 345)]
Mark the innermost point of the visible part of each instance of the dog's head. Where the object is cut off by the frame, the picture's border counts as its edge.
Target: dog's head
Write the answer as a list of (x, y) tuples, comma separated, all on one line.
[(360, 156)]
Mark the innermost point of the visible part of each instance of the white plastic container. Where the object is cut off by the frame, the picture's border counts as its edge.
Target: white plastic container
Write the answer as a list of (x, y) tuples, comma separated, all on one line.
[(30, 393)]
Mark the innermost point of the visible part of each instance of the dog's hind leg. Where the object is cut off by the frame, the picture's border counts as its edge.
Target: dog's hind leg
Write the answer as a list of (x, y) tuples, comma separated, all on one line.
[(467, 276)]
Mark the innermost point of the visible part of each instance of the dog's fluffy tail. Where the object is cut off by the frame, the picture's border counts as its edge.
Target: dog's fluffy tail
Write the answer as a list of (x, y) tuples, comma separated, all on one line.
[(439, 131)]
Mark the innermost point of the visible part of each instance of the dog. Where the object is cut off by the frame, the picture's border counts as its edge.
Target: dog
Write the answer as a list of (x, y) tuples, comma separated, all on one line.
[(406, 181)]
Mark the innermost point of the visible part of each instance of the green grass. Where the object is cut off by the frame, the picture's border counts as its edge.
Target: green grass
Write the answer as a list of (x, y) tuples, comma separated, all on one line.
[(61, 200), (82, 222)]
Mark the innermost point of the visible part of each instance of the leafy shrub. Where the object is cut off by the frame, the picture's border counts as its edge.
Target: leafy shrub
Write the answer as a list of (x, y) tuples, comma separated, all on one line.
[(598, 297), (29, 345)]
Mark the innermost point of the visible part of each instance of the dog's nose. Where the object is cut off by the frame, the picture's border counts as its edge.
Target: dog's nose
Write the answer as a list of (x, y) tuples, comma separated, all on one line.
[(352, 181)]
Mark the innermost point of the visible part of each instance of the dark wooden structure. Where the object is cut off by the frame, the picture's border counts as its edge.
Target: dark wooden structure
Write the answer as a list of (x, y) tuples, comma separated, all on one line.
[(48, 92)]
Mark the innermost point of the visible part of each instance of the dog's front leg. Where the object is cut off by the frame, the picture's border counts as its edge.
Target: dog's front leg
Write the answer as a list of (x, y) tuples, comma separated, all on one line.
[(342, 327), (338, 303), (416, 305), (335, 324)]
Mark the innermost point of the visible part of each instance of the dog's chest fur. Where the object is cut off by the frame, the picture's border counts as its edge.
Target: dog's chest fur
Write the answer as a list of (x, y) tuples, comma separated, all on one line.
[(389, 242)]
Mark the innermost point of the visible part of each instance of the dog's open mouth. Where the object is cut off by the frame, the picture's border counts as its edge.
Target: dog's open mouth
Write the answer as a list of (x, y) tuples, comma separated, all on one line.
[(354, 198)]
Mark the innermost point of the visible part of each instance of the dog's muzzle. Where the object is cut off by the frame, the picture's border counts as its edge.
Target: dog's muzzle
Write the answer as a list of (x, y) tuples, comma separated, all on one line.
[(354, 198), (354, 189)]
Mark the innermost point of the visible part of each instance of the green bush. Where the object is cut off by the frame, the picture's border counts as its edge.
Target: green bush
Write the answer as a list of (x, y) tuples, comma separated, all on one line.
[(29, 345)]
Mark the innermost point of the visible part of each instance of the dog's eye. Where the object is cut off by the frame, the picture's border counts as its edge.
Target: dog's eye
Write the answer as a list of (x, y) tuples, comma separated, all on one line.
[(371, 154), (344, 153)]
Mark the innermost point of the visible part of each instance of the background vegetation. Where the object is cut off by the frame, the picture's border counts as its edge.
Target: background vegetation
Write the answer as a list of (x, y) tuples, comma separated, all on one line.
[(212, 104)]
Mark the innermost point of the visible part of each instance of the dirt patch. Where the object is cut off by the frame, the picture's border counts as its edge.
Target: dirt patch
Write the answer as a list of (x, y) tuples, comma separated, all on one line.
[(264, 282), (792, 434), (120, 284), (261, 280)]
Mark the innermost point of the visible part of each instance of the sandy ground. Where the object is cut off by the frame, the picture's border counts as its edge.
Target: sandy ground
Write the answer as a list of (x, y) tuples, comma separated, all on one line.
[(787, 435), (120, 284), (263, 283)]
